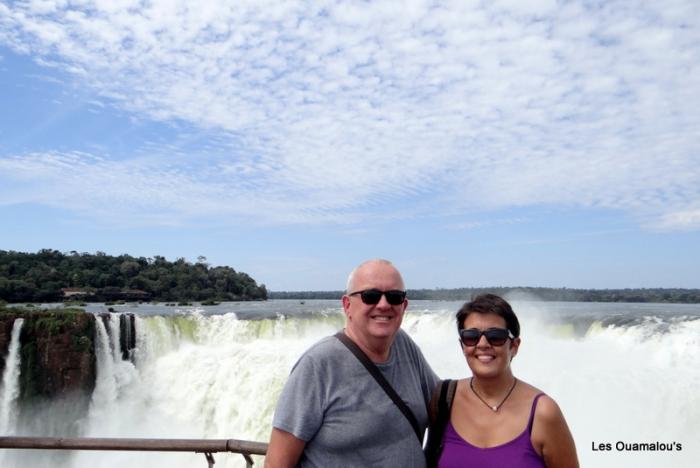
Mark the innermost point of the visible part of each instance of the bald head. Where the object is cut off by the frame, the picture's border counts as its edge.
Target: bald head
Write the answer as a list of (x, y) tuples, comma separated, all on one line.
[(373, 264)]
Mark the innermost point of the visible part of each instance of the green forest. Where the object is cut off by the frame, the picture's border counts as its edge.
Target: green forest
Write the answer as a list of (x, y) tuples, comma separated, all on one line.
[(44, 277), (652, 295)]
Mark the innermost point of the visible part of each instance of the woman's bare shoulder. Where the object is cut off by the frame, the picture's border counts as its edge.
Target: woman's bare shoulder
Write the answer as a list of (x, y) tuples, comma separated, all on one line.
[(547, 408), (529, 391)]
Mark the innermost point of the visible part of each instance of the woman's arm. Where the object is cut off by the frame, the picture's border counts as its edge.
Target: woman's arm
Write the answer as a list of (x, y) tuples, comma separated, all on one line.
[(552, 436)]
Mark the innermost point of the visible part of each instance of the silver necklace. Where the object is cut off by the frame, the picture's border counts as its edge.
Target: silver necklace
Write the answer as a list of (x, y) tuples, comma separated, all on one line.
[(493, 408)]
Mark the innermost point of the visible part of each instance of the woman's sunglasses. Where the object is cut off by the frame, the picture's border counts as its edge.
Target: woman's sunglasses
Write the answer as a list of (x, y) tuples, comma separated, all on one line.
[(373, 296), (495, 336)]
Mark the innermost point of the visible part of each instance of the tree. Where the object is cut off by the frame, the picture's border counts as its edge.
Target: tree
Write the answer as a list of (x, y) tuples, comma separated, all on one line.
[(41, 276)]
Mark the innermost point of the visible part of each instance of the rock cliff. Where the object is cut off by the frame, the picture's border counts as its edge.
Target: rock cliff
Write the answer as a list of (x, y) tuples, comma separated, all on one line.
[(57, 351)]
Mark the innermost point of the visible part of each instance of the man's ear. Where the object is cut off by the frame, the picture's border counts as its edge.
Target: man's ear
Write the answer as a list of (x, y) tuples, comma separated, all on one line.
[(346, 305)]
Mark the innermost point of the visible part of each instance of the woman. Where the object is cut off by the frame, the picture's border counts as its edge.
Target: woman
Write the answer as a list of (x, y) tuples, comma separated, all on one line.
[(497, 420)]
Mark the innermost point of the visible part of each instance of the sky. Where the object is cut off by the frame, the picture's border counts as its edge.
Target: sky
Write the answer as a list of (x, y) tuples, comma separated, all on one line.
[(473, 143)]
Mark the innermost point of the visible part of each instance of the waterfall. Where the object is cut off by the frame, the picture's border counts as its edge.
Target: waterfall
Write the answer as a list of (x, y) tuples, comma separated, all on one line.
[(218, 376), (105, 384), (9, 388), (115, 380)]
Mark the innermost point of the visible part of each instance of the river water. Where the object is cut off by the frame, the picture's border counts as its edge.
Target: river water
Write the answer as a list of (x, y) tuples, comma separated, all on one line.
[(622, 374)]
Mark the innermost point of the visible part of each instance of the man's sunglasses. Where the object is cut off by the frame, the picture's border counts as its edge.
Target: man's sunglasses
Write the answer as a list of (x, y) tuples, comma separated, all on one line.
[(495, 336), (373, 296)]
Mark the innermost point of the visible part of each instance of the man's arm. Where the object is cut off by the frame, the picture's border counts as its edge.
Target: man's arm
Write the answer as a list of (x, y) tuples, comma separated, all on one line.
[(284, 450)]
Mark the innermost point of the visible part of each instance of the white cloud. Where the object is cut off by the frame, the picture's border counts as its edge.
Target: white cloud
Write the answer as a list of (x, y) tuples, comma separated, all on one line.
[(154, 191), (688, 220), (342, 108)]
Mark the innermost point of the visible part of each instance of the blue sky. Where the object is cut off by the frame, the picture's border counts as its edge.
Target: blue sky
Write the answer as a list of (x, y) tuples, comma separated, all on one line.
[(500, 143)]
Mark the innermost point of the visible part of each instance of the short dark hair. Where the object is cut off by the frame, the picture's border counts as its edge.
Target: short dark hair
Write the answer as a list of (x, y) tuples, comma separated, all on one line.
[(490, 304)]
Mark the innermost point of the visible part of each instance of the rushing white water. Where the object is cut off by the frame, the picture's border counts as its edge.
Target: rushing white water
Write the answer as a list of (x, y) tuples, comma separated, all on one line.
[(105, 382), (619, 375), (9, 388), (115, 377)]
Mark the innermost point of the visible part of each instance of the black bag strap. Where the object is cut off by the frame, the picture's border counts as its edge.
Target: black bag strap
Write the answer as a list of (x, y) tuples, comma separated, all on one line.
[(381, 380), (447, 394), (440, 409)]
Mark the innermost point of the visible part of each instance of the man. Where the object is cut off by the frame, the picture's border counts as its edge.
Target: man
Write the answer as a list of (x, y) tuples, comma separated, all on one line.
[(332, 412)]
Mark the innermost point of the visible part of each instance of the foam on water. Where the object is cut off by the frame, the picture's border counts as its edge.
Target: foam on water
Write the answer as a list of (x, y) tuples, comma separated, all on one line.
[(203, 377)]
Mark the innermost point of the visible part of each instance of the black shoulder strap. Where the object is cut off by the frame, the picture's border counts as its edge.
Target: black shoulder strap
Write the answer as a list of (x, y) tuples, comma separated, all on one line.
[(447, 394), (379, 377), (439, 416)]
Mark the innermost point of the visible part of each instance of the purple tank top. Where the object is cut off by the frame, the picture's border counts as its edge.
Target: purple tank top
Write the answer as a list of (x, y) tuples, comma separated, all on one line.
[(518, 453)]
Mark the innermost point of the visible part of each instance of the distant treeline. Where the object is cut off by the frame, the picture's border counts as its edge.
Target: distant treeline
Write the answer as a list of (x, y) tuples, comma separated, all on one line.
[(44, 276), (656, 295)]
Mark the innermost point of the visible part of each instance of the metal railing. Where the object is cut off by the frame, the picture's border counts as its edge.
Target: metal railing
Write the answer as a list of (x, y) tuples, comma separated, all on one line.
[(205, 446)]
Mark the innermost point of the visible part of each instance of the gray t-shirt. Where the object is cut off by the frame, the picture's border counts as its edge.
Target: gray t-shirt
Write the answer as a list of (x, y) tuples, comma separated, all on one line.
[(347, 420)]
